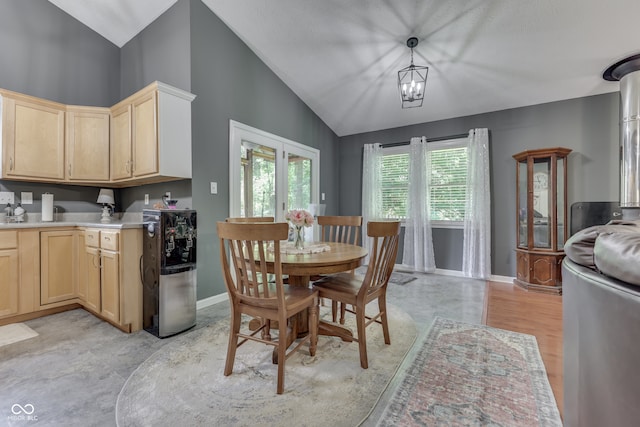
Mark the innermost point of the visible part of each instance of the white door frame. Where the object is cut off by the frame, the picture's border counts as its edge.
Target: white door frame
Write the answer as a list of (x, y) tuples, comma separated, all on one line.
[(239, 132)]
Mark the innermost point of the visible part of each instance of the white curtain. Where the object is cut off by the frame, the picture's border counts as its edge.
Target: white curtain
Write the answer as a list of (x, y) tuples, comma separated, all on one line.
[(371, 191), (418, 243), (476, 250)]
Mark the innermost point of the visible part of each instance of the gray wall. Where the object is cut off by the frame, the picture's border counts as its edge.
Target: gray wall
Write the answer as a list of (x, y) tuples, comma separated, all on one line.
[(46, 53), (159, 52), (231, 82), (588, 126)]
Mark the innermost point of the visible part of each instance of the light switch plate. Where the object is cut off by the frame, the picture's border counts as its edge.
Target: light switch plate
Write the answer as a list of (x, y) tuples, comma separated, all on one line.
[(6, 197), (214, 188), (26, 198), (168, 194), (146, 199)]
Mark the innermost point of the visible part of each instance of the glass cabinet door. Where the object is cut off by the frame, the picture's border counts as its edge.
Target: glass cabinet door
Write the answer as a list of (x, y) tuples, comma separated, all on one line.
[(560, 175), (523, 214), (542, 203)]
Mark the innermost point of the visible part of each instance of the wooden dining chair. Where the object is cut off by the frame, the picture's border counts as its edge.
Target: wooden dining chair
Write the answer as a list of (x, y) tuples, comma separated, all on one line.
[(244, 253), (358, 291), (343, 229), (251, 219)]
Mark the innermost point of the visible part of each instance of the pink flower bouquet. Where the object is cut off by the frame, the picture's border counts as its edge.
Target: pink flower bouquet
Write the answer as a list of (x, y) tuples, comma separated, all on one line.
[(299, 218)]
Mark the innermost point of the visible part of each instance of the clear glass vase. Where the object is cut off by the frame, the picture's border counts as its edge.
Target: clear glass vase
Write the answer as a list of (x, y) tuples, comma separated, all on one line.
[(298, 237)]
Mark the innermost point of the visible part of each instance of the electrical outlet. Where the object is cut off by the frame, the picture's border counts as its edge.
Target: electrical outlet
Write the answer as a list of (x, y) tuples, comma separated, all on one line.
[(26, 198), (214, 188), (6, 197), (323, 197), (146, 199), (168, 194)]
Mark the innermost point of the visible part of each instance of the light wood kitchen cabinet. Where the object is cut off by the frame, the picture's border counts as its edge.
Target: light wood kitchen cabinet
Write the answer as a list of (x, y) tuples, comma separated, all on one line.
[(151, 135), (114, 288), (120, 144), (32, 138), (110, 285), (145, 138), (87, 144), (9, 285), (58, 258), (19, 273)]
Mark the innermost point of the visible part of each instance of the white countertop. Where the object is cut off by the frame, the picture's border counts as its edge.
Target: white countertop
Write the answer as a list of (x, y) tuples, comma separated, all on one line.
[(119, 221)]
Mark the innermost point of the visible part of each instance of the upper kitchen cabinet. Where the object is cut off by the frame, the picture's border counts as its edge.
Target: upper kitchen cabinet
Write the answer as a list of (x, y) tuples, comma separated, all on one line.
[(87, 144), (32, 138), (151, 136)]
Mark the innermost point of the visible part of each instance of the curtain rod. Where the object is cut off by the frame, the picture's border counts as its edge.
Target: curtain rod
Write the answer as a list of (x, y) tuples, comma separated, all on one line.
[(440, 138)]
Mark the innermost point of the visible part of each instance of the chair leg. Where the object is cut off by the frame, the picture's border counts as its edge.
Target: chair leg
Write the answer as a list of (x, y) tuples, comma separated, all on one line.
[(343, 310), (282, 354), (362, 338), (313, 329), (382, 306), (334, 310), (266, 332), (233, 342)]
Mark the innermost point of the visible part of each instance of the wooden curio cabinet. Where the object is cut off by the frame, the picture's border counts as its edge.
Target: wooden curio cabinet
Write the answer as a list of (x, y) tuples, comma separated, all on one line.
[(542, 218)]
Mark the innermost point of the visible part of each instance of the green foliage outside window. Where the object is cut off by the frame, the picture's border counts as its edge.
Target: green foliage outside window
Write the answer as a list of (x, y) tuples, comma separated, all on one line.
[(447, 190)]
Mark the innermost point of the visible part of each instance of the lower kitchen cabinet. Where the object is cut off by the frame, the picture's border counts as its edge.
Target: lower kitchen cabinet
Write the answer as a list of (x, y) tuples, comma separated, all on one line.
[(110, 285), (111, 281), (90, 279), (47, 270), (9, 285), (58, 258)]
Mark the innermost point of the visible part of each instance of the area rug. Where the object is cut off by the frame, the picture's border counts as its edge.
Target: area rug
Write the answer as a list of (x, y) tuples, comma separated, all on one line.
[(396, 278), (15, 332), (183, 383), (474, 375)]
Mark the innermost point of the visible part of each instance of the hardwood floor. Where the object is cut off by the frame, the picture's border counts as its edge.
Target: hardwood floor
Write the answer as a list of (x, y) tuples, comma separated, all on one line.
[(509, 307)]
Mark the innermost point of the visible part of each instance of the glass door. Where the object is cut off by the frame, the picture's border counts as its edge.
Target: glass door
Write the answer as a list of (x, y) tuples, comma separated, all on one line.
[(268, 175)]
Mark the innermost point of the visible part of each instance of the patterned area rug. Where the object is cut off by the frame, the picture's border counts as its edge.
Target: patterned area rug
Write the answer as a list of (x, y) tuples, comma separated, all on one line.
[(183, 383), (474, 375)]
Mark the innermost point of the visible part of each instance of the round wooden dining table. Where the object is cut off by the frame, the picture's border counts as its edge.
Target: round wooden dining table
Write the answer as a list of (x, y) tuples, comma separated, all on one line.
[(300, 267)]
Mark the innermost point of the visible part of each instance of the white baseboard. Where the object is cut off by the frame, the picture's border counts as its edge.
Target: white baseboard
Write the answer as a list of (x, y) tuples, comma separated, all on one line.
[(456, 273), (206, 302), (503, 279)]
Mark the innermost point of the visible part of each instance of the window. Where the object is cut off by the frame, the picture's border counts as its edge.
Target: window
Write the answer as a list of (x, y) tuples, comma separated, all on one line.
[(448, 181)]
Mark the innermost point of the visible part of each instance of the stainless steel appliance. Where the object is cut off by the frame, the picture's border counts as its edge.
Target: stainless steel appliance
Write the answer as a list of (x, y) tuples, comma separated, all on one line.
[(169, 271)]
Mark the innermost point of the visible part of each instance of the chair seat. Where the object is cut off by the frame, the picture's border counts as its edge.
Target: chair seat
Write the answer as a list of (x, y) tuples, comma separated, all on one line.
[(296, 299), (344, 284)]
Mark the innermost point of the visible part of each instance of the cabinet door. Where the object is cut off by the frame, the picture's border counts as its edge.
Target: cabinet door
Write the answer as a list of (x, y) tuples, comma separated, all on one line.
[(121, 143), (110, 285), (9, 282), (145, 135), (58, 266), (87, 144), (91, 259), (33, 139)]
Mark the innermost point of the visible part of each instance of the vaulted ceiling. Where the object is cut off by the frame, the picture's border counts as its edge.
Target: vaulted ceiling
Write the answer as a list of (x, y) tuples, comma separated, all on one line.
[(341, 57)]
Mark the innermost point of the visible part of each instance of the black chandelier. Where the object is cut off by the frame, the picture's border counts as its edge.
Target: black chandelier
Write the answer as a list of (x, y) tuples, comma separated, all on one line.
[(412, 80)]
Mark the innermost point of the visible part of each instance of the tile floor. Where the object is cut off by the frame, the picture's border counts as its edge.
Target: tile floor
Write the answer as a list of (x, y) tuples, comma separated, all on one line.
[(74, 370)]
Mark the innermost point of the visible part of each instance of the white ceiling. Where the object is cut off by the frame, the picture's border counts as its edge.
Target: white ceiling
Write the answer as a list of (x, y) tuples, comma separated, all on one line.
[(341, 57)]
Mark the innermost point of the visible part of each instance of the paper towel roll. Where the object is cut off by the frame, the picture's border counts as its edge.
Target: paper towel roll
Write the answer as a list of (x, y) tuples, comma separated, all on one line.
[(47, 207)]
